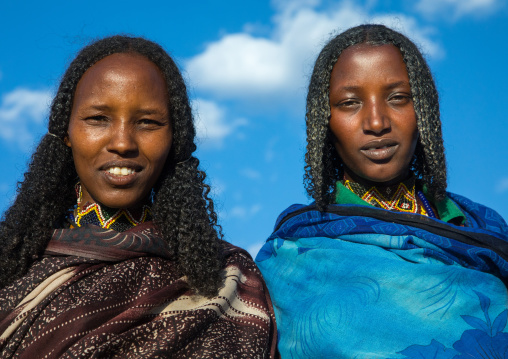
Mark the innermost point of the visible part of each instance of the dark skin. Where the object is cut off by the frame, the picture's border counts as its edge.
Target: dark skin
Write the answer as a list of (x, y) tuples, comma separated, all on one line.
[(372, 114), (120, 131)]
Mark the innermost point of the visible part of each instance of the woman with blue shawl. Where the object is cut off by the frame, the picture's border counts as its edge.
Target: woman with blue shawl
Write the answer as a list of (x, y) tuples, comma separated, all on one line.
[(385, 263)]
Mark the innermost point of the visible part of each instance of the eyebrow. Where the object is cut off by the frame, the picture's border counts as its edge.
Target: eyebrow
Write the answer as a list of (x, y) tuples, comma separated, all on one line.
[(397, 84), (149, 112), (388, 87), (139, 112), (100, 107)]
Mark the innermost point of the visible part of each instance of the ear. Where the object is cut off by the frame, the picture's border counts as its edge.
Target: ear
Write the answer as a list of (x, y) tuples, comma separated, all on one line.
[(67, 141)]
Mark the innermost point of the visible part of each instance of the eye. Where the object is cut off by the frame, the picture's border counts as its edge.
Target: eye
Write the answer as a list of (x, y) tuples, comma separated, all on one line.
[(400, 99), (348, 104), (151, 123), (99, 119)]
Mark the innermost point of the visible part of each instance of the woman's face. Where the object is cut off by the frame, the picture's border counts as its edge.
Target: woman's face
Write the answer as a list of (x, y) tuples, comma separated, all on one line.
[(120, 131), (372, 114)]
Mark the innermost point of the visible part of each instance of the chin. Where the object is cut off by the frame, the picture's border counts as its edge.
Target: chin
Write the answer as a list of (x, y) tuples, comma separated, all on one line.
[(124, 203), (385, 180), (388, 180)]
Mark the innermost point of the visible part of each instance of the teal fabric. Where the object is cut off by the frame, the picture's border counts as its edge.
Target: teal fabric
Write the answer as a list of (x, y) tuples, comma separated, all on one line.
[(359, 287)]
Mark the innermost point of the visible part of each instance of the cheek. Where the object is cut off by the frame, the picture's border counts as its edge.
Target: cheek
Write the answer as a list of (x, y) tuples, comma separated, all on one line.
[(343, 127), (342, 139), (80, 140), (83, 163), (83, 151), (158, 152), (413, 134)]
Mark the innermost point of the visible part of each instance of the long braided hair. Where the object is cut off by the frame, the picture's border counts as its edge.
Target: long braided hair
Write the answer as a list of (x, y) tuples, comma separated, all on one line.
[(323, 165), (182, 210)]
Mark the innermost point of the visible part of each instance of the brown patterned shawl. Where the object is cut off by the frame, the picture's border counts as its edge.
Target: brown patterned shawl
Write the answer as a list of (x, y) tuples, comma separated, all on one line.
[(103, 294)]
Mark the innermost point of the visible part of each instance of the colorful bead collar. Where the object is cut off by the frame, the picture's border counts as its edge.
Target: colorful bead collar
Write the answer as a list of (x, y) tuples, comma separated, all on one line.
[(119, 220), (401, 197)]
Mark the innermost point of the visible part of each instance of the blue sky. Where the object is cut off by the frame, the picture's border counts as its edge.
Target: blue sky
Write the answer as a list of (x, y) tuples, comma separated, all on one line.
[(247, 64)]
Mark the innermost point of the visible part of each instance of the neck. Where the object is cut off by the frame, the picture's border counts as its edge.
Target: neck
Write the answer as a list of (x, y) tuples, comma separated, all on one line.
[(351, 176), (118, 219)]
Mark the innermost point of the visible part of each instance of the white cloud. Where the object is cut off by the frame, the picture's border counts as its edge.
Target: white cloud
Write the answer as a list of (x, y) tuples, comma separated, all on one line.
[(22, 115), (241, 65), (291, 5), (238, 211), (250, 173), (502, 185), (457, 8), (239, 62), (244, 211), (421, 36), (211, 124)]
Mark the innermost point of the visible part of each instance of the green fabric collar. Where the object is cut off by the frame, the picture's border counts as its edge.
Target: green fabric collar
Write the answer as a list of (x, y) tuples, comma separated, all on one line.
[(446, 209)]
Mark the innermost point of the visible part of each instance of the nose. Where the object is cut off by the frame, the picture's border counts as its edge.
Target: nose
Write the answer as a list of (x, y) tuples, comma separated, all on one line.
[(376, 118), (122, 139)]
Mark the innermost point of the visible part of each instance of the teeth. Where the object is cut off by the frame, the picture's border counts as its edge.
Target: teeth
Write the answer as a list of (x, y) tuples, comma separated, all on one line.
[(120, 171)]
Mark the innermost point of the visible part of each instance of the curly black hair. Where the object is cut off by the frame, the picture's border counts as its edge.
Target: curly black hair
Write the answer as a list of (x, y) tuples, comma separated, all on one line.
[(181, 208), (323, 165)]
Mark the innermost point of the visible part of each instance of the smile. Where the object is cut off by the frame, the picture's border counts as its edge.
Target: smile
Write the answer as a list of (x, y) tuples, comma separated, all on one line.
[(121, 171), (121, 175)]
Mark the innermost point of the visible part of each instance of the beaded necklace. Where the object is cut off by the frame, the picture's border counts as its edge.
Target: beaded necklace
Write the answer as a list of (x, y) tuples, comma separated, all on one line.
[(119, 220), (426, 204), (401, 197)]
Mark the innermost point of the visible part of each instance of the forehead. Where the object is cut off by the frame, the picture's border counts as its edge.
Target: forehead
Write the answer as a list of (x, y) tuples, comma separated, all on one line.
[(364, 60), (123, 67)]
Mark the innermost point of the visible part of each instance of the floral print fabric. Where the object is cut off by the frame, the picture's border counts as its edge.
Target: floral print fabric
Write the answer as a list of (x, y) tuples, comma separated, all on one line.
[(356, 286)]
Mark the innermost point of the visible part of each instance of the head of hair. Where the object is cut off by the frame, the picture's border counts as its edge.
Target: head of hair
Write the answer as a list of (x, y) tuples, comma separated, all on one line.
[(323, 165), (181, 208)]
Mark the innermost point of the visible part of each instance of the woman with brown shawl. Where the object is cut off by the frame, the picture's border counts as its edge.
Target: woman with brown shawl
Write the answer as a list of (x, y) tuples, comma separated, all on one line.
[(112, 248)]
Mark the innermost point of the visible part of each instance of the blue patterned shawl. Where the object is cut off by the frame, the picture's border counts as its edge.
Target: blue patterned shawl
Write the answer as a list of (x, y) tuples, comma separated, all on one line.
[(360, 282)]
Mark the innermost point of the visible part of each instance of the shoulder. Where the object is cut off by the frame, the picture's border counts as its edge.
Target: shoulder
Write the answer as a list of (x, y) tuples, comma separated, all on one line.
[(291, 210), (480, 216), (236, 257)]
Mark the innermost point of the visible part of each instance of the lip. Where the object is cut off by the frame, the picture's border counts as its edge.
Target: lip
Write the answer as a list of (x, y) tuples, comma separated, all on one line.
[(380, 150), (121, 181)]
